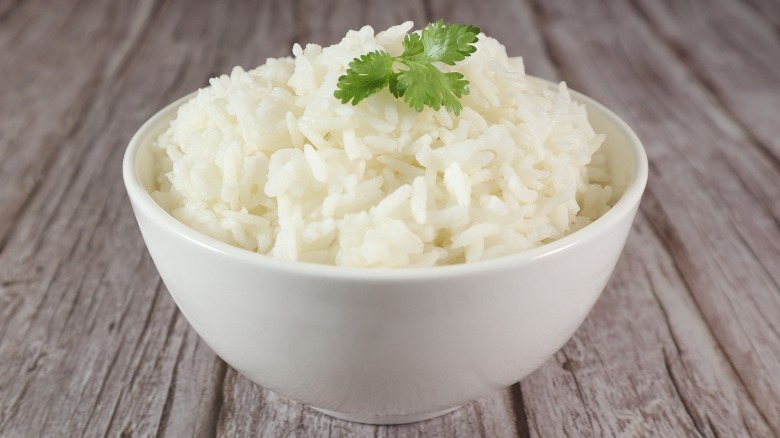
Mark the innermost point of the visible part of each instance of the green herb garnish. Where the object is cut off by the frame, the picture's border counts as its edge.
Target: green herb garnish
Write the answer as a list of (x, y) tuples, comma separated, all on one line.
[(420, 83)]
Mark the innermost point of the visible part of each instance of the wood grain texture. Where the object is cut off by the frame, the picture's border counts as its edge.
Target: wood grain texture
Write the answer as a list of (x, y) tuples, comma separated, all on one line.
[(685, 340), (696, 201)]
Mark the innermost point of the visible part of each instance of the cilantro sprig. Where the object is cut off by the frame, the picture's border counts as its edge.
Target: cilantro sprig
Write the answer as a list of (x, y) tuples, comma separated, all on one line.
[(419, 82)]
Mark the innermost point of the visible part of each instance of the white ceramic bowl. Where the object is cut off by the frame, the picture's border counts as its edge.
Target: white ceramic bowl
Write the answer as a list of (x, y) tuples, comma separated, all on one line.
[(387, 346)]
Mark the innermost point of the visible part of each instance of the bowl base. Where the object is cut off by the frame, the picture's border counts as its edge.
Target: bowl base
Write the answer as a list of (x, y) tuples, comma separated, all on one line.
[(384, 419)]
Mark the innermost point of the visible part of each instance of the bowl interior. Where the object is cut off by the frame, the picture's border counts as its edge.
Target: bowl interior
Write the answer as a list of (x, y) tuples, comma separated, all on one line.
[(622, 161), (143, 166)]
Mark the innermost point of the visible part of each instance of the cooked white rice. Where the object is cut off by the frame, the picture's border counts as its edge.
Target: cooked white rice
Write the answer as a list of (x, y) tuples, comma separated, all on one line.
[(268, 160)]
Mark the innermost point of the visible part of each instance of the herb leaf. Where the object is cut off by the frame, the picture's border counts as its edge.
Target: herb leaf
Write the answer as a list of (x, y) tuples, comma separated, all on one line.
[(449, 43), (425, 85), (366, 75), (421, 83), (413, 46)]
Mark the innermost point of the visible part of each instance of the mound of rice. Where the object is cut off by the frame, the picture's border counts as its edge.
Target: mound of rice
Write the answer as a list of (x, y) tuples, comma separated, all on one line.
[(268, 160)]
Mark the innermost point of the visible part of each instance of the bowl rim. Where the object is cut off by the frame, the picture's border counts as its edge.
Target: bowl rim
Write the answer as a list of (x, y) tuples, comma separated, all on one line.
[(626, 205)]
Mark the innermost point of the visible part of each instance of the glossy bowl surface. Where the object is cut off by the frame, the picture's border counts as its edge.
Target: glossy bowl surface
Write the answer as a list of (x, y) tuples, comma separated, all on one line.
[(387, 346)]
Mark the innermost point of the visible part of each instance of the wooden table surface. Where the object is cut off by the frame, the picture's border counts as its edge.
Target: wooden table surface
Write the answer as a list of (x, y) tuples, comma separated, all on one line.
[(684, 341)]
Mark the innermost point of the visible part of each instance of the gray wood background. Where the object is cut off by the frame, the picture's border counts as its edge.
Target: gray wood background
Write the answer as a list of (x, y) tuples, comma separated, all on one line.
[(685, 340)]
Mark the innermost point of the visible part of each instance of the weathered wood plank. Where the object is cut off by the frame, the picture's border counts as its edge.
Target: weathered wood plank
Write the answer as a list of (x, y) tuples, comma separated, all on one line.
[(622, 378), (37, 168), (745, 82), (696, 198), (684, 341), (769, 10), (49, 71), (735, 53), (91, 343)]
